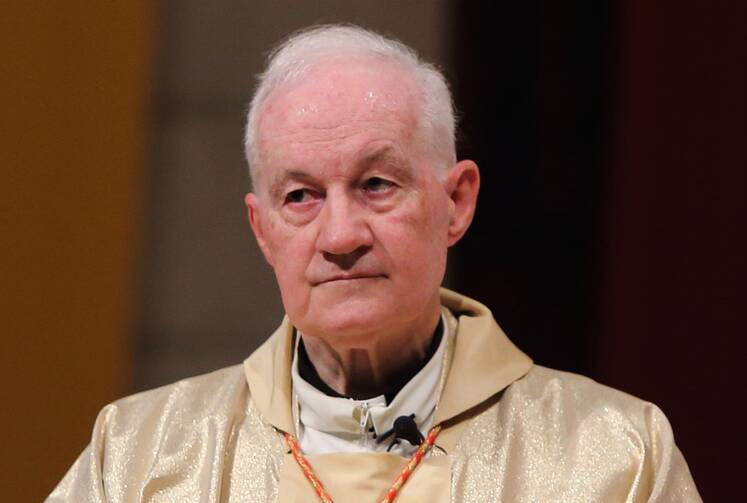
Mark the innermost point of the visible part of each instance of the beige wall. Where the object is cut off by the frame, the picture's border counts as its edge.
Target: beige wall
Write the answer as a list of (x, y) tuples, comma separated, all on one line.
[(73, 87)]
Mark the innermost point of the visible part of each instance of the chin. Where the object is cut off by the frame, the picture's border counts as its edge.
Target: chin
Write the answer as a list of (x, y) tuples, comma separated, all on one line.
[(350, 321)]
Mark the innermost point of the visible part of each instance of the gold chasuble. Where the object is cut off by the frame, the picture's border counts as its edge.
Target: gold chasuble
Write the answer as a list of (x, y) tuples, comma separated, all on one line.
[(511, 432)]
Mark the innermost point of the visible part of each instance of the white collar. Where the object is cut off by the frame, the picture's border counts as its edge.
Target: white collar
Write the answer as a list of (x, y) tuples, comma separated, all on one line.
[(334, 424)]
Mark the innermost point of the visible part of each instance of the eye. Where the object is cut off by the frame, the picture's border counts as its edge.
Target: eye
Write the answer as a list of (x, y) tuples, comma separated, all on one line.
[(297, 196), (377, 184)]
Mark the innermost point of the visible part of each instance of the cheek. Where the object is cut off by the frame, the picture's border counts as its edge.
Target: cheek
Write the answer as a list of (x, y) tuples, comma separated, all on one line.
[(290, 248), (290, 274), (427, 219), (417, 238)]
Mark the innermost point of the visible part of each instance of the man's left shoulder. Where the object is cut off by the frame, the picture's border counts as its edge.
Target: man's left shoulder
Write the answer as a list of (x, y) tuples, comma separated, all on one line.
[(578, 399), (580, 441)]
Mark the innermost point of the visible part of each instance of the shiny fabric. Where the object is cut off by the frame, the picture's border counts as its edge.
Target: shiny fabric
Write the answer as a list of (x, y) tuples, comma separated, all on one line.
[(513, 432)]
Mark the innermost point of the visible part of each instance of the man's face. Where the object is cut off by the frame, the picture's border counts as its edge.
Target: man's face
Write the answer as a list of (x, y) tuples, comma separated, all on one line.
[(348, 210)]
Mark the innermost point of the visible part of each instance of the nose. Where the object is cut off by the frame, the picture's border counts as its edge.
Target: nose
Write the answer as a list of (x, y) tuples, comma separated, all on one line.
[(343, 228)]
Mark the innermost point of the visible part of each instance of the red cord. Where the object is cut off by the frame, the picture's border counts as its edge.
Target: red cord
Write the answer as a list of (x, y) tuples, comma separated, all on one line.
[(391, 494)]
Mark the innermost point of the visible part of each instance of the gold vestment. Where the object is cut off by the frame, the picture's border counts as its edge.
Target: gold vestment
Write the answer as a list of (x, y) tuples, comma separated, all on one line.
[(512, 432)]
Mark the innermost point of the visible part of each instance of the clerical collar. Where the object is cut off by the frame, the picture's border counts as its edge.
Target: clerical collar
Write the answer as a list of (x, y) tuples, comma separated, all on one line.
[(308, 373), (328, 422)]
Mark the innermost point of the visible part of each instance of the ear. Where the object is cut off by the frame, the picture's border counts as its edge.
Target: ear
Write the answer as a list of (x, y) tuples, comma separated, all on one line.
[(255, 216), (462, 185)]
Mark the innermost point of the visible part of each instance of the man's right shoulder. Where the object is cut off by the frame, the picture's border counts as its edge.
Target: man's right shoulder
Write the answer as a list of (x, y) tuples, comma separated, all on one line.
[(186, 402), (149, 436)]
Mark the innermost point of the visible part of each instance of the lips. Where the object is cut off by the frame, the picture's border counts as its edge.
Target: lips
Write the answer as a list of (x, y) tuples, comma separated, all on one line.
[(349, 276)]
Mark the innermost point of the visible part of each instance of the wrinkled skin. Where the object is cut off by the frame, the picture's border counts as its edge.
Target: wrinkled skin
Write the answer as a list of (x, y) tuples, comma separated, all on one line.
[(353, 218)]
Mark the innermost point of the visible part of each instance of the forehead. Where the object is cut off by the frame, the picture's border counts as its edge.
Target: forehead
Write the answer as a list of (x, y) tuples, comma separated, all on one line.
[(337, 107)]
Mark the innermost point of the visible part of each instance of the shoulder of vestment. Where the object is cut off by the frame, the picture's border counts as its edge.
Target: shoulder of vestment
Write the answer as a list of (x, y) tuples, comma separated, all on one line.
[(577, 395), (182, 404)]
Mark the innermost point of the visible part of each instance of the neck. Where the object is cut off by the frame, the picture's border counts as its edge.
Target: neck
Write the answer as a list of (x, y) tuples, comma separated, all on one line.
[(371, 368)]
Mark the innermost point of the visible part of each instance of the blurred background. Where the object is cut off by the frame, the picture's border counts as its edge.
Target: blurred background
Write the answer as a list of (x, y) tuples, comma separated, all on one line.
[(609, 238)]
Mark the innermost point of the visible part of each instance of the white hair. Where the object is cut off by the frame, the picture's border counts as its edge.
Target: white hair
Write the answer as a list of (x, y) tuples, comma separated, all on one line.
[(293, 57)]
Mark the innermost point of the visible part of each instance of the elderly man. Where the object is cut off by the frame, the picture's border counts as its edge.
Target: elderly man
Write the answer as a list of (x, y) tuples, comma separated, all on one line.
[(379, 385)]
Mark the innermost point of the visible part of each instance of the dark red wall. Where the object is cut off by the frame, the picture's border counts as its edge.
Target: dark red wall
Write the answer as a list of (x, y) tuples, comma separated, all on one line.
[(673, 310), (610, 234)]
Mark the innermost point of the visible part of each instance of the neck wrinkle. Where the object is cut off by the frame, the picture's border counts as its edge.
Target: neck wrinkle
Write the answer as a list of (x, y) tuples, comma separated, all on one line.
[(310, 374), (362, 373)]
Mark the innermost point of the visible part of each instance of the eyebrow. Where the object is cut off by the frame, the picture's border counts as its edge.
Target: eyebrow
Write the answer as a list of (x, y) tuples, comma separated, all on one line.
[(381, 153), (280, 181), (395, 162)]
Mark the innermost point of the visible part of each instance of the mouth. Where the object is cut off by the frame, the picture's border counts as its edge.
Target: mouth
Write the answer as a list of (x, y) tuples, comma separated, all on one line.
[(339, 278)]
